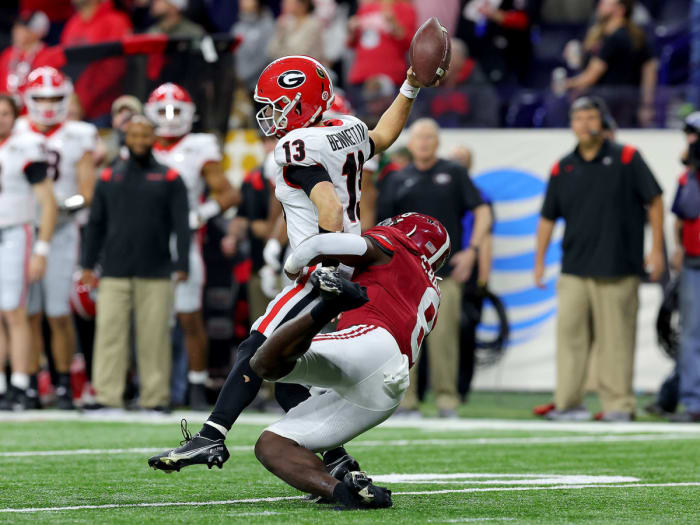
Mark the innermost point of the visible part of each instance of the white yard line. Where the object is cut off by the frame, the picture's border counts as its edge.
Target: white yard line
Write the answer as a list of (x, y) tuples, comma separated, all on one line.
[(288, 498), (564, 440), (427, 424)]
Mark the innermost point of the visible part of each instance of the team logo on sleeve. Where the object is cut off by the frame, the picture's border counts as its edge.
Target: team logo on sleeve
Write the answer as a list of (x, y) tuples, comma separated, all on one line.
[(291, 79)]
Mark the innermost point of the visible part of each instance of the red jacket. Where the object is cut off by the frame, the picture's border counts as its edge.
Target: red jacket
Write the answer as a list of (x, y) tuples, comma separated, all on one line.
[(10, 60), (101, 82), (376, 50)]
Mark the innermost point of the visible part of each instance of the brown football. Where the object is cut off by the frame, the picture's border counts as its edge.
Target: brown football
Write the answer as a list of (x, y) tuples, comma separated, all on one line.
[(430, 52)]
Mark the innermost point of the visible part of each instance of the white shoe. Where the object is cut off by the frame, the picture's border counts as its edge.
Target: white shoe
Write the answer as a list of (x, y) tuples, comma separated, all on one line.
[(579, 413)]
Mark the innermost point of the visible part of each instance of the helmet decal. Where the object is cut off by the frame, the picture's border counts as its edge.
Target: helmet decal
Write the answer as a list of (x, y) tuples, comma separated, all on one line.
[(291, 79)]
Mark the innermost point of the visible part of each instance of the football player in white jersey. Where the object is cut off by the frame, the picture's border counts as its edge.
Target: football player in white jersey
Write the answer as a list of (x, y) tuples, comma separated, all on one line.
[(319, 163), (71, 145), (23, 183), (197, 158)]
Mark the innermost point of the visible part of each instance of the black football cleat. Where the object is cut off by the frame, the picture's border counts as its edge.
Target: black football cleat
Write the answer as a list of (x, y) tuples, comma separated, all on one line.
[(338, 290), (338, 469), (365, 494), (193, 450)]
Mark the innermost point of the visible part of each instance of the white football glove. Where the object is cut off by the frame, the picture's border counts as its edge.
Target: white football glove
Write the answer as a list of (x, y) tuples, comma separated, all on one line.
[(269, 281), (271, 254), (195, 220)]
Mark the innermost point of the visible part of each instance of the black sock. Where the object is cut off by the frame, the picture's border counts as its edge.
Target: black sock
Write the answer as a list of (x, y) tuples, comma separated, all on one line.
[(210, 432), (241, 387), (289, 395), (333, 455), (342, 494)]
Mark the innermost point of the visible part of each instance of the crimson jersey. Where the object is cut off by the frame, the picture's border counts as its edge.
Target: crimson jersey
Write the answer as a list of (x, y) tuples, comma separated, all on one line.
[(404, 296)]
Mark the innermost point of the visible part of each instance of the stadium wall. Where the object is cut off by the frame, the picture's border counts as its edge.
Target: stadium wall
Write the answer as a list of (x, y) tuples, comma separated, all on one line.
[(512, 167)]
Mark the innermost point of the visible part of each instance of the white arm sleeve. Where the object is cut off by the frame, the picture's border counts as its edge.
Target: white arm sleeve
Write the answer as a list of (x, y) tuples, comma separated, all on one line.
[(324, 244)]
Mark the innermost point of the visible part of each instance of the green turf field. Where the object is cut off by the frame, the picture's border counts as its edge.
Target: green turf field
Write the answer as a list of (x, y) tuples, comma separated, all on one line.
[(89, 470)]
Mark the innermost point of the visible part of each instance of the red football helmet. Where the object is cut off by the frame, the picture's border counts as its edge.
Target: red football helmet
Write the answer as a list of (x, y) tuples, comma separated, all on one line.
[(429, 235), (295, 91), (83, 299), (171, 109), (47, 96)]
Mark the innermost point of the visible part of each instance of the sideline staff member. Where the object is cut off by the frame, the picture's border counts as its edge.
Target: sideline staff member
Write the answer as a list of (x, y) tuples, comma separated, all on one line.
[(138, 203), (603, 190), (441, 189), (686, 206)]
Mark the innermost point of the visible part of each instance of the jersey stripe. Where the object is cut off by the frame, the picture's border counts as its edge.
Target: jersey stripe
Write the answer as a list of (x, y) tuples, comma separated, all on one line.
[(282, 301), (338, 336), (383, 241)]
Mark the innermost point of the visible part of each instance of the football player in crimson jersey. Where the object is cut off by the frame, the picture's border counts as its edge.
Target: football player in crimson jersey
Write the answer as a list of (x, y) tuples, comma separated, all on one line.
[(197, 158), (390, 305), (71, 145), (318, 163), (23, 183)]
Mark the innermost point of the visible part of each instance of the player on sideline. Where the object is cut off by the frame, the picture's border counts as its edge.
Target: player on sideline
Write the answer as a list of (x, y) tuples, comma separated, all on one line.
[(71, 147), (197, 158), (364, 365), (318, 170), (23, 176)]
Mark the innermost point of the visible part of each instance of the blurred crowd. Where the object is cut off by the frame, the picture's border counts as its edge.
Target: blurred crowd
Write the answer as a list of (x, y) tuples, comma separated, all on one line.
[(516, 63)]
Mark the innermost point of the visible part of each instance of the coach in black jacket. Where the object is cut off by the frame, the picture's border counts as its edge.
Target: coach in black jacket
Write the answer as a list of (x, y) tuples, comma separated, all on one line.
[(138, 205)]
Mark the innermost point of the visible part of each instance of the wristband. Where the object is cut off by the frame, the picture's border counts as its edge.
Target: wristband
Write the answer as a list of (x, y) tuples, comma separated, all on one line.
[(408, 91), (42, 248)]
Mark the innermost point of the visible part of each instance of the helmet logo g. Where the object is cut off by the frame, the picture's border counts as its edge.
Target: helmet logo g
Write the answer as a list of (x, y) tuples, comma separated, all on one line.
[(291, 79)]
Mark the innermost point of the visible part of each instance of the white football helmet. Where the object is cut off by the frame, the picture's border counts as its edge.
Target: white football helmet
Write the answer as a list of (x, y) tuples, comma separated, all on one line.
[(47, 96)]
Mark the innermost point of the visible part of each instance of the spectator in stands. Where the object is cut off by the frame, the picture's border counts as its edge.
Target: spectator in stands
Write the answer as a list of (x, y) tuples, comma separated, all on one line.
[(380, 34), (255, 26), (619, 60), (447, 11), (441, 189), (137, 206), (465, 97), (298, 31), (171, 20), (500, 37), (686, 206), (99, 82), (26, 53), (604, 192), (58, 12)]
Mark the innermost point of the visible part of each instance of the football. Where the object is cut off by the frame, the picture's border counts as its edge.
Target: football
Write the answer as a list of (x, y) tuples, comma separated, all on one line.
[(430, 52)]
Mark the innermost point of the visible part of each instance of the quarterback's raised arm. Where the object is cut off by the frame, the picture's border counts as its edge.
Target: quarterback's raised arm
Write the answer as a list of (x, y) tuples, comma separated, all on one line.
[(394, 119), (348, 248)]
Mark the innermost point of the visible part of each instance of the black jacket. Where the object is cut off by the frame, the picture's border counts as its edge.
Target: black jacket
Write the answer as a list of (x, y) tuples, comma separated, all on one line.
[(135, 209)]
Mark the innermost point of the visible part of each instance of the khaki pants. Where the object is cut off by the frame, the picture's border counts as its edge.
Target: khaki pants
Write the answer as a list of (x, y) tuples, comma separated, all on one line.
[(257, 300), (151, 301), (443, 351), (257, 304), (603, 310)]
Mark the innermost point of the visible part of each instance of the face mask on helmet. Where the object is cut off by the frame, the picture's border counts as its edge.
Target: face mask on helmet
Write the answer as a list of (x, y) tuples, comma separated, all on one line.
[(172, 118), (272, 117), (47, 111)]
